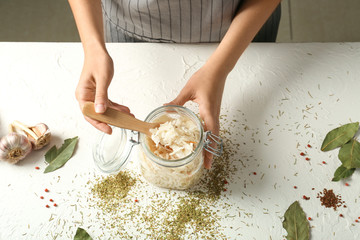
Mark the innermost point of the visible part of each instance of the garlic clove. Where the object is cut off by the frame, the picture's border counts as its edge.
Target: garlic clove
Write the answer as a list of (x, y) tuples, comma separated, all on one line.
[(14, 147), (39, 135), (43, 134)]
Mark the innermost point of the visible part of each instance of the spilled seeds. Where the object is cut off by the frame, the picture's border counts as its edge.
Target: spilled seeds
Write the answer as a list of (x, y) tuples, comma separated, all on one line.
[(127, 211)]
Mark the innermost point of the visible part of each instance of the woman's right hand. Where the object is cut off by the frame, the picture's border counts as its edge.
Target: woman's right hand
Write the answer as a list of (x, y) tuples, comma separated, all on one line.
[(96, 76)]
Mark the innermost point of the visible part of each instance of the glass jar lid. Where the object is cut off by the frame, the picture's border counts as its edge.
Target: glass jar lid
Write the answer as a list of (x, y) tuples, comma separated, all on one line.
[(111, 152)]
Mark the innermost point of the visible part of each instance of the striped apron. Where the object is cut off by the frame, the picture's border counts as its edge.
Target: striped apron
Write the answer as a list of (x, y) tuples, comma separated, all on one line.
[(176, 21)]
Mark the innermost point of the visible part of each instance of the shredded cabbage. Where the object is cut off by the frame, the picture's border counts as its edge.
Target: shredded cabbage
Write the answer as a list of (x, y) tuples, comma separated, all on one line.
[(175, 139)]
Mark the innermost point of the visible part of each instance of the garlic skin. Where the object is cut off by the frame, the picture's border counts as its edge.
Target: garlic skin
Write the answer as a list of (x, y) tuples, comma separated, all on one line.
[(43, 135), (14, 147), (39, 135)]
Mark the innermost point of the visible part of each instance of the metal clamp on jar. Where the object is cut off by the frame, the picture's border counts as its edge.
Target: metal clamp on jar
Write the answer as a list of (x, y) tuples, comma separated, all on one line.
[(111, 152)]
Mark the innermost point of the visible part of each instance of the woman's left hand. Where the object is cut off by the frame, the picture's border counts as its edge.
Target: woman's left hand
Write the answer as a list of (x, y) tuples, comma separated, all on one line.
[(205, 88)]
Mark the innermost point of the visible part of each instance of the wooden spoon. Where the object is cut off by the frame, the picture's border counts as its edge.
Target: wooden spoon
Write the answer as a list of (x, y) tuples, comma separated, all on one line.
[(118, 119)]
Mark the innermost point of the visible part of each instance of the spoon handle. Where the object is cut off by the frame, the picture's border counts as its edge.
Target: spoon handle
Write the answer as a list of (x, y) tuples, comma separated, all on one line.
[(118, 119)]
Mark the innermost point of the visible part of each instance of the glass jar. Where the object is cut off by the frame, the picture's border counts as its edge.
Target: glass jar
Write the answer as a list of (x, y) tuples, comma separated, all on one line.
[(111, 152)]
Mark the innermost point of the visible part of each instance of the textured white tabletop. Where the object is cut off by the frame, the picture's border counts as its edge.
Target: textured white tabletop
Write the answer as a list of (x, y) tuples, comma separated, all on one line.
[(284, 96)]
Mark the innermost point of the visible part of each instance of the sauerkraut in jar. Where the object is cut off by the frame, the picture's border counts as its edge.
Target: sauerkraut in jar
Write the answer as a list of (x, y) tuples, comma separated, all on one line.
[(173, 156)]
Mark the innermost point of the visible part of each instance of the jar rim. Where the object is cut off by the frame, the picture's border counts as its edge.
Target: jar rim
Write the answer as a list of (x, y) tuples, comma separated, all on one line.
[(180, 161)]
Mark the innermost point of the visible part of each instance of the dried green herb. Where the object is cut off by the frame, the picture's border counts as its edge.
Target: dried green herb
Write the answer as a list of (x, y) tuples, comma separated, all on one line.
[(81, 234), (295, 223), (174, 215), (58, 157), (339, 136), (191, 211), (113, 188), (342, 172), (349, 154)]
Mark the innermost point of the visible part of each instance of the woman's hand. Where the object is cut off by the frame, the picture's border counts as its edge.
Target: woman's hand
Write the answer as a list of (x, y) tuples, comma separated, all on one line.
[(205, 87), (96, 76), (98, 68)]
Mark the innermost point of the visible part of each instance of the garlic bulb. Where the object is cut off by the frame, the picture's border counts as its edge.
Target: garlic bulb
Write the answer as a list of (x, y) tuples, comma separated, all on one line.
[(43, 136), (39, 135), (14, 147)]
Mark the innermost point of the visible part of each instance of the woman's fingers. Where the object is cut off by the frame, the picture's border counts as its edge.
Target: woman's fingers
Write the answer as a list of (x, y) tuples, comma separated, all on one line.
[(181, 99), (119, 107), (211, 124), (99, 125), (103, 126), (101, 97)]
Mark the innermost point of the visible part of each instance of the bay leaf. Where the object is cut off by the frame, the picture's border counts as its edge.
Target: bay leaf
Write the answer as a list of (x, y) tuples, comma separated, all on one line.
[(349, 154), (51, 154), (295, 223), (339, 136), (81, 234), (63, 154), (342, 172)]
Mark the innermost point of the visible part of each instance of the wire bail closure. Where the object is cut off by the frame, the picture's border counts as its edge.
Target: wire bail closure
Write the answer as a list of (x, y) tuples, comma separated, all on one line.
[(133, 135), (210, 139)]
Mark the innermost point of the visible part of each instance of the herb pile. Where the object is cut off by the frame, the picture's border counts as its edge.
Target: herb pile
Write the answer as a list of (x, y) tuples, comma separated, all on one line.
[(328, 199), (166, 214), (112, 189)]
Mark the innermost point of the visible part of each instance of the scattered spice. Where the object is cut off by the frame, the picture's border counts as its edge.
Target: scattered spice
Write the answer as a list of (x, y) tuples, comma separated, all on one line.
[(55, 205), (41, 197), (136, 200), (46, 190), (307, 159), (37, 168), (302, 154), (347, 184), (309, 218), (295, 187), (309, 146), (329, 199), (341, 215), (323, 162), (170, 214), (47, 206), (254, 173), (190, 211), (212, 183), (306, 197), (112, 188), (51, 200)]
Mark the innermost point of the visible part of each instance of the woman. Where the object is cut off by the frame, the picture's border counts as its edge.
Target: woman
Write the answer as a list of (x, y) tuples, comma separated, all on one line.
[(232, 23)]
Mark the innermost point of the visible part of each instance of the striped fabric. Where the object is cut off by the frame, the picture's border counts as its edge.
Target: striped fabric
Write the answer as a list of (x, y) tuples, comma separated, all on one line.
[(180, 21)]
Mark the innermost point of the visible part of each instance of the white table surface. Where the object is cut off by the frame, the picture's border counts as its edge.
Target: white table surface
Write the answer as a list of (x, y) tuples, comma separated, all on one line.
[(288, 95)]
